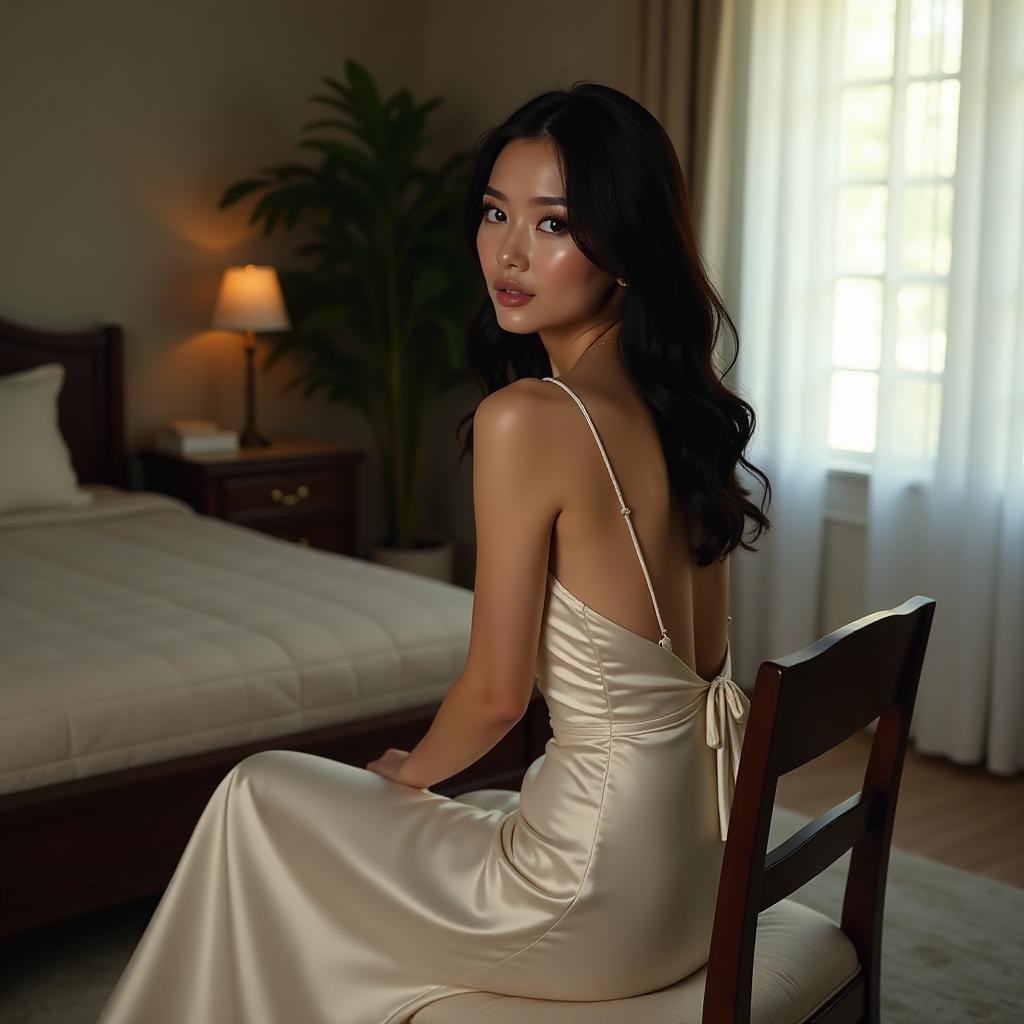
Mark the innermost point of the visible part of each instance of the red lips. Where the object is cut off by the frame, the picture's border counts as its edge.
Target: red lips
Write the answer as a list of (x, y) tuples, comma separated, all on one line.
[(506, 283)]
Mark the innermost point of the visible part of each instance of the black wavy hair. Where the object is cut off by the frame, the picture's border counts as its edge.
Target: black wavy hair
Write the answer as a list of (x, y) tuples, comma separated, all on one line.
[(629, 213)]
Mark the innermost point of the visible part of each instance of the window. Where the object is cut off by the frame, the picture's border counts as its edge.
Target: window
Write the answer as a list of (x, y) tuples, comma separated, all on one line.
[(898, 106)]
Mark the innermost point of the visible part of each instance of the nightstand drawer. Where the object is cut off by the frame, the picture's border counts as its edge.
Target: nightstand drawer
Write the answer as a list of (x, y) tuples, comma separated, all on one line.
[(283, 493), (296, 488)]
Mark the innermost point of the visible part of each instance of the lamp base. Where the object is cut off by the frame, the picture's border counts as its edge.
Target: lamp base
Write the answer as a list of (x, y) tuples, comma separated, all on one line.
[(252, 438)]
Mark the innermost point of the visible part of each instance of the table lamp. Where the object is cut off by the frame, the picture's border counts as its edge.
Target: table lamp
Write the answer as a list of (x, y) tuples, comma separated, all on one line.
[(250, 300)]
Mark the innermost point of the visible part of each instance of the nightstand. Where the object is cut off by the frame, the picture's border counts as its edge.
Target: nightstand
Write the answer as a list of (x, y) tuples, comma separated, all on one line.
[(301, 490)]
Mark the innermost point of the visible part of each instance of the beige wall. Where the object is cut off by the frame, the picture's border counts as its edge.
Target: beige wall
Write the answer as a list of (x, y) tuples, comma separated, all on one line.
[(122, 122), (489, 61)]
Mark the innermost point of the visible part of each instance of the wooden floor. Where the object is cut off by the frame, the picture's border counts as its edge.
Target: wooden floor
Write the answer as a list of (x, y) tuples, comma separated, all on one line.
[(964, 816)]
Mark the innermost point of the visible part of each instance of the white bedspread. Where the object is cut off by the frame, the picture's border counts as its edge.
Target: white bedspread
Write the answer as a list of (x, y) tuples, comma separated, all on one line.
[(134, 630)]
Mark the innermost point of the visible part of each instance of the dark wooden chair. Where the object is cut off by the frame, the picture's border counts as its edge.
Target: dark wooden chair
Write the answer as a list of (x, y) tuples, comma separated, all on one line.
[(805, 968)]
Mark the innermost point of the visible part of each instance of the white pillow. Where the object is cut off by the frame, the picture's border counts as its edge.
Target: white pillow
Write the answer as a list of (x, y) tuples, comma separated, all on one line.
[(35, 464)]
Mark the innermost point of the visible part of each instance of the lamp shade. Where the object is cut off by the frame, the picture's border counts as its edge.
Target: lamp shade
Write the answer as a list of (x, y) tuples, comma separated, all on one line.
[(250, 299)]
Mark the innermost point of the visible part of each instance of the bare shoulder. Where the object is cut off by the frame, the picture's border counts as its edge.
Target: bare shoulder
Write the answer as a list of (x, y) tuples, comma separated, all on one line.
[(513, 429), (520, 410)]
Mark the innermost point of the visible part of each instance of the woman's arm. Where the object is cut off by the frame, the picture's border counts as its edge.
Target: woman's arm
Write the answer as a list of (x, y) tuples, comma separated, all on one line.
[(463, 730), (516, 500)]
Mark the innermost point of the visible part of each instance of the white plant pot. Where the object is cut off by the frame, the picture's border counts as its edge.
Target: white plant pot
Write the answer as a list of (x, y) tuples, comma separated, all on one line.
[(436, 560)]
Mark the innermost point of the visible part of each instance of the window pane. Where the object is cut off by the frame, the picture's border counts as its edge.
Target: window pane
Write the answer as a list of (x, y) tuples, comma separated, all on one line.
[(921, 327), (916, 417), (930, 141), (936, 30), (853, 410), (868, 36), (861, 236), (857, 324), (927, 228), (865, 115)]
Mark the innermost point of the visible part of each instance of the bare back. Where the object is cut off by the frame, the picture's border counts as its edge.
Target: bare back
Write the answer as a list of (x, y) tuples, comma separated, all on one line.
[(693, 602)]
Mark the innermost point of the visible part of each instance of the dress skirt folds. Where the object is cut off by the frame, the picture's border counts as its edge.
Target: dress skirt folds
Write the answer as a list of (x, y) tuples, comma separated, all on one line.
[(318, 892)]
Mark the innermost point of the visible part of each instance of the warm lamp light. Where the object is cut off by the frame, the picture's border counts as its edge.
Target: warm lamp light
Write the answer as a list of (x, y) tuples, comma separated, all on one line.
[(250, 300)]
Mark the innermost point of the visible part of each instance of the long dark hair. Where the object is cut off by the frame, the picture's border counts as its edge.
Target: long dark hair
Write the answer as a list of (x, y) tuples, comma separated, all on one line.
[(629, 213)]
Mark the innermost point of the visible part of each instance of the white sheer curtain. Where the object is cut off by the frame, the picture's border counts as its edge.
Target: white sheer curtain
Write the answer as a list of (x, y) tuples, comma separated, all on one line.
[(771, 258), (945, 520), (953, 528)]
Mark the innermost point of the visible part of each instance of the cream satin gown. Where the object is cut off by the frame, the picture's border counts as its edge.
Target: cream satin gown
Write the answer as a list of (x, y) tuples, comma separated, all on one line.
[(316, 892)]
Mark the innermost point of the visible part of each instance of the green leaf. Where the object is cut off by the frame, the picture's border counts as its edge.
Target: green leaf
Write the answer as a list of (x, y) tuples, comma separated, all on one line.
[(333, 315), (364, 91), (335, 84), (240, 190), (330, 122), (346, 155)]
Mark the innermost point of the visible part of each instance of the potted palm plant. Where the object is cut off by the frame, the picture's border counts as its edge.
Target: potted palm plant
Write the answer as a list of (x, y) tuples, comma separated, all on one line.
[(380, 297)]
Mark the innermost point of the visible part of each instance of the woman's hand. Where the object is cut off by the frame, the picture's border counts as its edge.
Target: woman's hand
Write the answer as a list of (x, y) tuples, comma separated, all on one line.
[(389, 764)]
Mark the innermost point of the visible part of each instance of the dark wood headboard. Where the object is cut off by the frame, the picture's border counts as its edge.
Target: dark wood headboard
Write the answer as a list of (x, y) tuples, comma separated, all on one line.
[(91, 402)]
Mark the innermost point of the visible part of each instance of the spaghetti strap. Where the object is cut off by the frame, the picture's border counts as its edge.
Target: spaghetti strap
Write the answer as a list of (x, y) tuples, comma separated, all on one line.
[(665, 640)]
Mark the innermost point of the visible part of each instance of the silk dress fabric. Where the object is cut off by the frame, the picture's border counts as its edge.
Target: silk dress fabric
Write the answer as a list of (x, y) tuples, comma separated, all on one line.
[(319, 892)]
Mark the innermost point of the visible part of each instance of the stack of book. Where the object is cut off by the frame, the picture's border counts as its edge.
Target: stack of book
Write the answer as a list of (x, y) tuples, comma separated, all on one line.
[(196, 437)]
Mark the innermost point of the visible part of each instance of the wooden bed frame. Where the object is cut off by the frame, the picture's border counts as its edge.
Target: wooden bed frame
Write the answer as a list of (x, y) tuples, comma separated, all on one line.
[(93, 842)]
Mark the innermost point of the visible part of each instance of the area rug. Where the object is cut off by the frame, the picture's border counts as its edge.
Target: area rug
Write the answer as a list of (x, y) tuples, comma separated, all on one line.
[(953, 947)]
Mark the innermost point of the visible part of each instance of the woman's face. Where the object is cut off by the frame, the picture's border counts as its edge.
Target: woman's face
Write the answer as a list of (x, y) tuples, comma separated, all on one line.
[(524, 236)]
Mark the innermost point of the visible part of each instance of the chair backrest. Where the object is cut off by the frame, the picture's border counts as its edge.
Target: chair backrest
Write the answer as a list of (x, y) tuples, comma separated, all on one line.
[(803, 705)]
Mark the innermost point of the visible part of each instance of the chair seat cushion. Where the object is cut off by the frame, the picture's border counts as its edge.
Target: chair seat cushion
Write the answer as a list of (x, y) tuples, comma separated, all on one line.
[(801, 959)]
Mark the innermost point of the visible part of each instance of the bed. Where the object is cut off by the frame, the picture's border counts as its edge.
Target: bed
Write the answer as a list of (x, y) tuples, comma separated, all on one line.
[(145, 649)]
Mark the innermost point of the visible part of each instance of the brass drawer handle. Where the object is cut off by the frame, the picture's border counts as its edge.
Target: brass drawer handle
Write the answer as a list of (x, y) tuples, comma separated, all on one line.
[(302, 491)]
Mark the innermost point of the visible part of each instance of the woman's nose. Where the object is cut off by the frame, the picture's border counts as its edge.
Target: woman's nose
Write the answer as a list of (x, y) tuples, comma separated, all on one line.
[(513, 245)]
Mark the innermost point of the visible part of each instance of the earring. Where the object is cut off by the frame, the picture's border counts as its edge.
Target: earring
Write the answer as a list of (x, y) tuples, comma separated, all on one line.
[(625, 284)]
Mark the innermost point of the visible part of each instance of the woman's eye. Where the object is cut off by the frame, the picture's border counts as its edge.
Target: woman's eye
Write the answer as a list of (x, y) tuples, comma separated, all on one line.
[(557, 220), (487, 209)]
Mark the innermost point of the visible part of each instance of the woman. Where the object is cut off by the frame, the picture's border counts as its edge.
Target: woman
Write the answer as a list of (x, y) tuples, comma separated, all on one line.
[(316, 891)]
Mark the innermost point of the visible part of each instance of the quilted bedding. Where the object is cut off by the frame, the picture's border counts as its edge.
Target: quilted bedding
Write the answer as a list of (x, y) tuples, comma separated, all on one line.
[(134, 630)]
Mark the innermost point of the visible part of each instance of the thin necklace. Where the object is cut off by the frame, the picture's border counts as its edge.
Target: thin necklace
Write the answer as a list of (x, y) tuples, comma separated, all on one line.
[(598, 344)]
